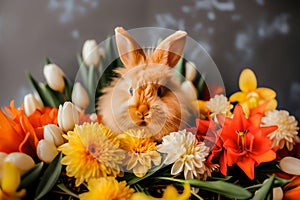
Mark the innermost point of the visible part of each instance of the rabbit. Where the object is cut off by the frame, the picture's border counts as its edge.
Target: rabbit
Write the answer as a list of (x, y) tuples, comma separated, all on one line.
[(146, 95)]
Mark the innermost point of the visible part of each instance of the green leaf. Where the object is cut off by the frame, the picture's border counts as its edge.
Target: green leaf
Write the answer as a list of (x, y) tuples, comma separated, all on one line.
[(47, 96), (66, 190), (68, 89), (265, 190), (53, 96), (201, 85), (31, 176), (180, 69), (49, 178), (220, 187), (91, 80), (47, 61), (83, 71)]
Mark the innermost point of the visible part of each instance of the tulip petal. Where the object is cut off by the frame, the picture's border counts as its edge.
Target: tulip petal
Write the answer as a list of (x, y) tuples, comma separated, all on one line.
[(10, 177), (247, 81), (290, 165)]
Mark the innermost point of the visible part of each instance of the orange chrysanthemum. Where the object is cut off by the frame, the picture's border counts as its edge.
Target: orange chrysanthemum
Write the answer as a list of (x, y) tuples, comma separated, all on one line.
[(21, 133)]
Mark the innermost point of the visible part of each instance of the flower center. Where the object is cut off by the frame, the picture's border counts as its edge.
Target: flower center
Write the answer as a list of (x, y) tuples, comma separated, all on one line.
[(95, 150), (252, 99), (242, 139)]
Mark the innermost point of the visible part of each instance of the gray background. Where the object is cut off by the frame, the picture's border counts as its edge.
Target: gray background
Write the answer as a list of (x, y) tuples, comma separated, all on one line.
[(260, 34)]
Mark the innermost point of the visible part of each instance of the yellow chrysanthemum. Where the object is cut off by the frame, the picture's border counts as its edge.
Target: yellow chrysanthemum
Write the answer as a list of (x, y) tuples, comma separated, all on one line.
[(92, 151), (250, 96), (107, 188), (170, 193), (141, 151), (11, 177)]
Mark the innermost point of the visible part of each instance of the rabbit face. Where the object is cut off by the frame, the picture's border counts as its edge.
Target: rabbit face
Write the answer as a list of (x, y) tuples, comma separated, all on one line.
[(146, 95)]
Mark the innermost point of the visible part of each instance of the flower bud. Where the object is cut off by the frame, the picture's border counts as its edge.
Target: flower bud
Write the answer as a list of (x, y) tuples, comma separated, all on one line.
[(46, 151), (79, 96), (290, 165), (189, 89), (90, 53), (277, 193), (54, 77), (67, 116), (53, 134), (21, 160), (31, 104), (190, 71)]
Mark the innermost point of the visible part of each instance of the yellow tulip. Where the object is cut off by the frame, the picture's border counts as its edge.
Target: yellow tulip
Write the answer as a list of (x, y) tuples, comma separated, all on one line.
[(11, 179), (250, 96)]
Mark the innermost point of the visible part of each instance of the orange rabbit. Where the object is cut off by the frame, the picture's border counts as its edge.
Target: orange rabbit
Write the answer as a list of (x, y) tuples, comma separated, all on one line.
[(146, 95)]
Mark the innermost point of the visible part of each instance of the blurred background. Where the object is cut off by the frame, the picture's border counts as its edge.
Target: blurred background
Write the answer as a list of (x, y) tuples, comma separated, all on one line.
[(261, 34)]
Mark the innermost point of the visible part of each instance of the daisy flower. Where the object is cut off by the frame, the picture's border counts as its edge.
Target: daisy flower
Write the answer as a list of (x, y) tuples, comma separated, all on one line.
[(187, 154), (107, 188), (286, 134), (219, 105), (92, 151), (141, 151)]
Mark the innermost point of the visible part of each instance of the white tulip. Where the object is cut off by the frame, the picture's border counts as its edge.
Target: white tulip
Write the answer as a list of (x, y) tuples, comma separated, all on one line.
[(90, 53), (189, 89), (31, 104), (190, 71), (21, 160), (67, 116), (46, 151), (277, 193), (290, 165), (54, 77), (79, 96), (53, 134)]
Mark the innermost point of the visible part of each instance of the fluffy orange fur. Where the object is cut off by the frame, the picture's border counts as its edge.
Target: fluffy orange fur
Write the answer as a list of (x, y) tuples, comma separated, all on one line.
[(146, 95)]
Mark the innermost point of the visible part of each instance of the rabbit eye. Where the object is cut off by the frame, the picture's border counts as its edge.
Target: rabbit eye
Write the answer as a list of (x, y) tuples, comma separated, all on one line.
[(131, 91), (160, 91)]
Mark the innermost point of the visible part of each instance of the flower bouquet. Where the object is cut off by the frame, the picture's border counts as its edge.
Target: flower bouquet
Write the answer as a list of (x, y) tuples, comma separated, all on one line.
[(146, 124)]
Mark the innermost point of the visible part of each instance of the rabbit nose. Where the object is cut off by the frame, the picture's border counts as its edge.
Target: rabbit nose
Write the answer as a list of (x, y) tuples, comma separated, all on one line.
[(143, 111)]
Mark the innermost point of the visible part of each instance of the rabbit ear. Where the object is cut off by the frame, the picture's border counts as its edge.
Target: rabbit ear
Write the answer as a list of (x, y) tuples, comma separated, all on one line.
[(130, 52), (169, 51)]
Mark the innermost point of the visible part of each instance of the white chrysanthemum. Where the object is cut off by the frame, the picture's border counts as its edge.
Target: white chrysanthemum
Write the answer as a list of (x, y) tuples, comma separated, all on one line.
[(183, 149), (219, 105), (286, 134)]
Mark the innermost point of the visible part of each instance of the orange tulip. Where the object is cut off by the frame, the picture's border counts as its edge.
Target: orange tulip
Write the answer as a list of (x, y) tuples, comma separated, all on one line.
[(292, 189)]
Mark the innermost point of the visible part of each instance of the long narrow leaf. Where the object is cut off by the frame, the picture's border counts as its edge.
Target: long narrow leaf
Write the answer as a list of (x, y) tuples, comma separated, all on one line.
[(31, 176), (265, 190), (49, 178), (83, 71), (220, 187), (68, 89), (66, 190), (45, 97)]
